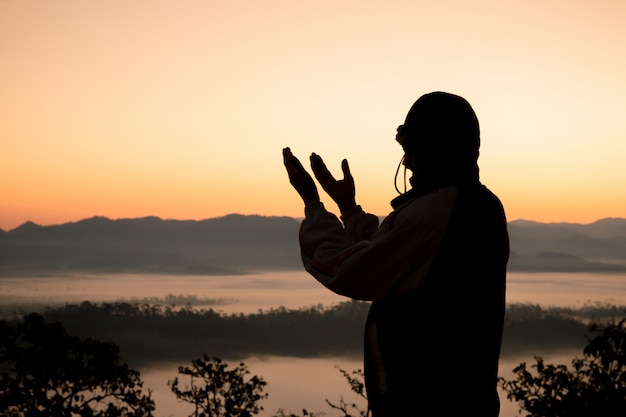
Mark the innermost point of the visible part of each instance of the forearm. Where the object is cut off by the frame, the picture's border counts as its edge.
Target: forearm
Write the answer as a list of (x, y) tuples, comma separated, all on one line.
[(323, 243), (321, 231), (365, 267), (392, 261)]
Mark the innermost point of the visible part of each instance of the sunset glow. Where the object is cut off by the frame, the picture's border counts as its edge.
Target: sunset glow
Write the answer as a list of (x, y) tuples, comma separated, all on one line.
[(181, 109)]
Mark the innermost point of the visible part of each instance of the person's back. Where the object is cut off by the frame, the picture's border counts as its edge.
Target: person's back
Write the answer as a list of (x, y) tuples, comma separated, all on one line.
[(435, 351)]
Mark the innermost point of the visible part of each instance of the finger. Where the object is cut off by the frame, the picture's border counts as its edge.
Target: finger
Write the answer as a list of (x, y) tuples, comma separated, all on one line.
[(320, 170), (346, 170), (286, 155), (317, 162), (292, 163), (289, 159)]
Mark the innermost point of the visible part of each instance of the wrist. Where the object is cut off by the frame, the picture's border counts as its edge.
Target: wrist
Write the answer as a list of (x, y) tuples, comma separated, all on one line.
[(312, 206), (311, 201), (346, 208)]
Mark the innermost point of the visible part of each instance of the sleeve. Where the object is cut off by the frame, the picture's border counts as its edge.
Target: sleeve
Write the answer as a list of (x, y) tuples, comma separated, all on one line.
[(374, 263)]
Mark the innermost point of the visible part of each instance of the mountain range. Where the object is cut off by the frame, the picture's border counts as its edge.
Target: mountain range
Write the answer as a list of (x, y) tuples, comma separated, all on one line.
[(238, 244)]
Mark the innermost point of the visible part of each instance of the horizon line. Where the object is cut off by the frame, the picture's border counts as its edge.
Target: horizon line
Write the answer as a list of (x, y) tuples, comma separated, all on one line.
[(299, 218)]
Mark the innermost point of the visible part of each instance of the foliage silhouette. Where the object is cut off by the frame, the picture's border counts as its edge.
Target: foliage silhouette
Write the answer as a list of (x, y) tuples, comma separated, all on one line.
[(46, 372), (156, 333), (595, 386), (216, 391), (532, 328), (282, 413), (356, 380)]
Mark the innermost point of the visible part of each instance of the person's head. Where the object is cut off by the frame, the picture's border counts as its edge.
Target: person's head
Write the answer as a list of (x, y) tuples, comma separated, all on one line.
[(441, 139)]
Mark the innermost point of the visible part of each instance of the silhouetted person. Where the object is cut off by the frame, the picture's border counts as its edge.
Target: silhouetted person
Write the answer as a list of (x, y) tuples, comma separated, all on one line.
[(435, 268)]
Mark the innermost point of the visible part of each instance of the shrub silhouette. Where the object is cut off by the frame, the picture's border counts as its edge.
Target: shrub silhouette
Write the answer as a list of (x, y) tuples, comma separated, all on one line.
[(216, 391), (46, 372), (595, 386), (356, 380)]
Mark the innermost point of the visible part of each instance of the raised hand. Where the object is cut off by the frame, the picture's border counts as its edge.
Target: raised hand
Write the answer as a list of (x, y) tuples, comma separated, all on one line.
[(299, 178), (341, 191)]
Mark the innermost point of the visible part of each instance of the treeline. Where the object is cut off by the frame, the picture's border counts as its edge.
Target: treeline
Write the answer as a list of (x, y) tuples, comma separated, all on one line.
[(153, 333), (156, 333)]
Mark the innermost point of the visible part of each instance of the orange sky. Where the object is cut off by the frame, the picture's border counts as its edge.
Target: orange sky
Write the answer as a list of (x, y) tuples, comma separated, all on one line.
[(180, 109)]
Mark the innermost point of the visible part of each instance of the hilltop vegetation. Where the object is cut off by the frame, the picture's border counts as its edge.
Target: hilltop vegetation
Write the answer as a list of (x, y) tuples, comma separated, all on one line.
[(149, 333)]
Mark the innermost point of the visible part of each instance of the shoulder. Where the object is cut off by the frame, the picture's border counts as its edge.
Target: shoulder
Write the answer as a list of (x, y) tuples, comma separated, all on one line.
[(427, 210)]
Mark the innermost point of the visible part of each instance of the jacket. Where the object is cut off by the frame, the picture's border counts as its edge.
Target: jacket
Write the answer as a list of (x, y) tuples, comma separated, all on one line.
[(435, 272)]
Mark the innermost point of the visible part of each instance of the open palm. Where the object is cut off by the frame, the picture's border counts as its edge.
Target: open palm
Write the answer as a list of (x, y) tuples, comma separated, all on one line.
[(341, 191)]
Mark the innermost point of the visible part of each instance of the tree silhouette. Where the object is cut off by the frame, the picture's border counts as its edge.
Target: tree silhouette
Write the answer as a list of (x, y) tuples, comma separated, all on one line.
[(216, 391), (282, 413), (595, 386), (46, 372), (355, 379), (357, 385)]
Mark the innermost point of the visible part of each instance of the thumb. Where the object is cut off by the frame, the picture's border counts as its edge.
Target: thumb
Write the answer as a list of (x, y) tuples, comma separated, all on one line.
[(346, 169)]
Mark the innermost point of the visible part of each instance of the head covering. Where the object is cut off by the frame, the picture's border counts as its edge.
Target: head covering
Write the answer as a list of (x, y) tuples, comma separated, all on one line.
[(441, 136), (442, 126)]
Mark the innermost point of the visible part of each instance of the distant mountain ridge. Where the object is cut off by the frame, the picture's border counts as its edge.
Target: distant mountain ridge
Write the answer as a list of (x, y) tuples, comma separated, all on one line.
[(231, 244), (236, 244), (568, 247)]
